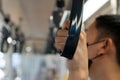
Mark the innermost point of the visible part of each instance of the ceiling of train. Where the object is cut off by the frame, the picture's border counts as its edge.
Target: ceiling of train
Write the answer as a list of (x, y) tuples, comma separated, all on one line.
[(35, 14)]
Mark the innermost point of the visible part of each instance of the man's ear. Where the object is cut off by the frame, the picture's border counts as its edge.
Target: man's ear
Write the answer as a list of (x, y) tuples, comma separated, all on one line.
[(106, 46)]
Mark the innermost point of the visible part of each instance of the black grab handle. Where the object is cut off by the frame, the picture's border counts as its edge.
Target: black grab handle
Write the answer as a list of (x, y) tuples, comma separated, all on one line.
[(75, 29)]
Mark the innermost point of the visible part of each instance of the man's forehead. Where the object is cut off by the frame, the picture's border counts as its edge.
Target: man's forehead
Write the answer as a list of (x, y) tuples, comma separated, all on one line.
[(90, 27), (91, 32)]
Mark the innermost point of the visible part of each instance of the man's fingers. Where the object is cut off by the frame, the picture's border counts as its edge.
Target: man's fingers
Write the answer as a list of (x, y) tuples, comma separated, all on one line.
[(62, 33), (60, 42), (59, 46), (60, 39)]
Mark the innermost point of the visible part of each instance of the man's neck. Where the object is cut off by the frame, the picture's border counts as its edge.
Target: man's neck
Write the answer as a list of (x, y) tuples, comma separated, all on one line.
[(105, 70)]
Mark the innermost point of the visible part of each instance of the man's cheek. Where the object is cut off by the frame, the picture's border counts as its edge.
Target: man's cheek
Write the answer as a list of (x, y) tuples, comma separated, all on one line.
[(91, 53)]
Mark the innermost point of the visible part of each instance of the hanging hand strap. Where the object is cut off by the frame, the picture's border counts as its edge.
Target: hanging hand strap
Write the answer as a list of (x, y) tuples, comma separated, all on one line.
[(75, 28)]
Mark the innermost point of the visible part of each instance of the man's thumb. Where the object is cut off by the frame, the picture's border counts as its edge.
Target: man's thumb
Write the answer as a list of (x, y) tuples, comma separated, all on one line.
[(66, 24)]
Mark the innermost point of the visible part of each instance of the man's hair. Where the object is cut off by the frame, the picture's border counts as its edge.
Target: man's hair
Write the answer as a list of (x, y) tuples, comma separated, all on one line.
[(109, 26)]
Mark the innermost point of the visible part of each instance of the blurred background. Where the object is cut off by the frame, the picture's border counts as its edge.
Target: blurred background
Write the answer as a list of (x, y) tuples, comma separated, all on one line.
[(27, 32)]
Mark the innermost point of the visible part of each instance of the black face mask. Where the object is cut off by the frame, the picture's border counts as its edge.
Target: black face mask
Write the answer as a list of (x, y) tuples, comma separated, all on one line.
[(89, 63)]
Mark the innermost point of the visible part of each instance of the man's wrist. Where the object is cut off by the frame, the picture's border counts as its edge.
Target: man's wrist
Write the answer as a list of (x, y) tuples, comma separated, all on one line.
[(78, 74)]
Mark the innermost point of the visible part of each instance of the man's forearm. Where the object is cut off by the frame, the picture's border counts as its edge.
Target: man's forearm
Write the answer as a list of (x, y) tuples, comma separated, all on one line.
[(78, 75)]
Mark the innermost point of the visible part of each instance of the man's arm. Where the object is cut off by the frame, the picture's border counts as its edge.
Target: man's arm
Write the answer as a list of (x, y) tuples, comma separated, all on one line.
[(78, 66), (78, 75)]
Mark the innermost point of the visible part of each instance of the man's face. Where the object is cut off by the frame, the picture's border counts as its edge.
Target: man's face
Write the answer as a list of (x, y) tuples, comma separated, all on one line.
[(94, 45), (91, 38), (94, 49), (101, 52)]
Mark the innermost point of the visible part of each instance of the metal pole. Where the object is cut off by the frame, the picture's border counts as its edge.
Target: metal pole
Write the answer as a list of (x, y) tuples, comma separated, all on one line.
[(118, 6)]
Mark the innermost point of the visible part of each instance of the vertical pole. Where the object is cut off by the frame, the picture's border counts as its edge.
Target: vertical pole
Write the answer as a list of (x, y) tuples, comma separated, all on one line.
[(118, 6)]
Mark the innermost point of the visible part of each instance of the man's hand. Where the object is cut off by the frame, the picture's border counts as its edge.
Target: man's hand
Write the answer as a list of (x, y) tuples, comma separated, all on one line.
[(61, 36), (78, 66)]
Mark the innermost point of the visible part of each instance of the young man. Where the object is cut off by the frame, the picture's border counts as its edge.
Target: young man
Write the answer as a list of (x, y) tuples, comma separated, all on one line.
[(103, 49)]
